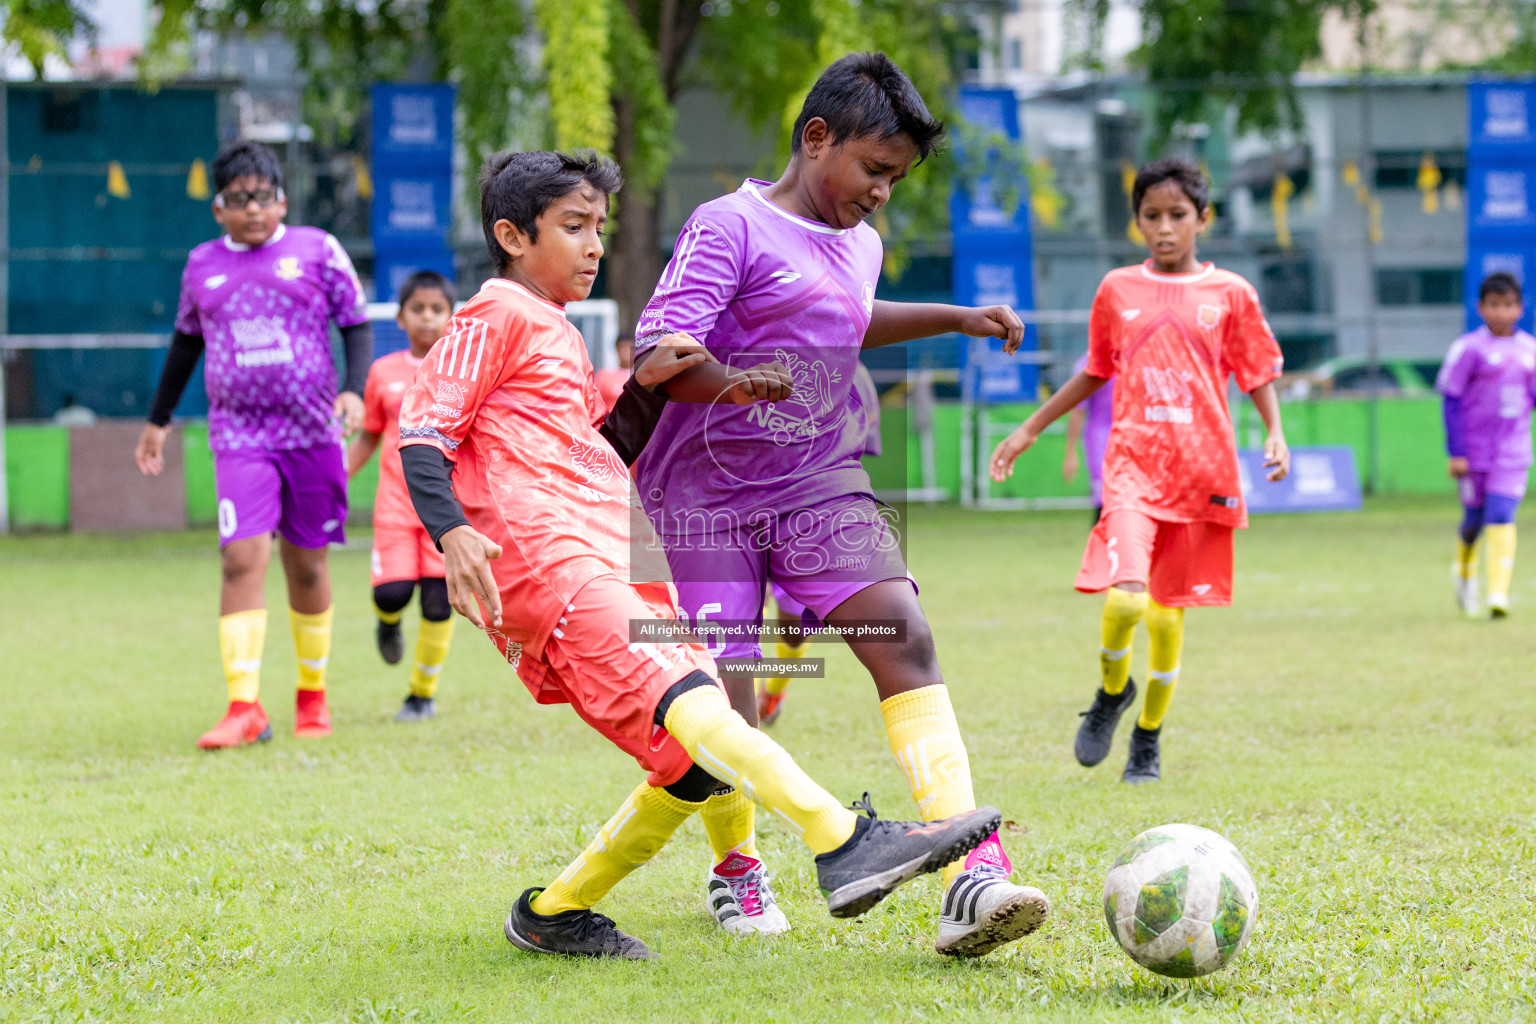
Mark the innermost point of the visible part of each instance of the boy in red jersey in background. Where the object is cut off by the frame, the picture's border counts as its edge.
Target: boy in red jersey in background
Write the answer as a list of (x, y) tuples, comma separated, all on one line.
[(404, 556), (1171, 330), (534, 512)]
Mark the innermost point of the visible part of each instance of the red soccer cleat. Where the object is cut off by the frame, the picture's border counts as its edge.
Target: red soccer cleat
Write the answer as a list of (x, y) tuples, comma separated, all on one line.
[(768, 707), (243, 723), (310, 715)]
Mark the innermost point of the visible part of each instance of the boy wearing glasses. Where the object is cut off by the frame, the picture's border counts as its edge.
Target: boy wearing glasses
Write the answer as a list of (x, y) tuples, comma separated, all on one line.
[(259, 301)]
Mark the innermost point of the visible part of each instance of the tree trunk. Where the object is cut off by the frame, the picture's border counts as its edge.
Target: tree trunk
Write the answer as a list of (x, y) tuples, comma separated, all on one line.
[(634, 260)]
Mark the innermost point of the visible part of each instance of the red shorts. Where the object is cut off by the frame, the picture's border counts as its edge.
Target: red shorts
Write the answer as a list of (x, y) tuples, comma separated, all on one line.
[(404, 553), (614, 684), (1183, 565)]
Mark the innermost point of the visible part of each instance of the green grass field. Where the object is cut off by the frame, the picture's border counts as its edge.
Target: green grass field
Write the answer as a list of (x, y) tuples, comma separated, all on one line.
[(1370, 753)]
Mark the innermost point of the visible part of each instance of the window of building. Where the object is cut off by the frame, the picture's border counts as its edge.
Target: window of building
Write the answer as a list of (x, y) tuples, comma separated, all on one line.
[(1418, 286)]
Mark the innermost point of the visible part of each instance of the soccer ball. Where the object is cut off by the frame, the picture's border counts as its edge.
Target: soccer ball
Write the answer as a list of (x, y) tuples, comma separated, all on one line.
[(1181, 901)]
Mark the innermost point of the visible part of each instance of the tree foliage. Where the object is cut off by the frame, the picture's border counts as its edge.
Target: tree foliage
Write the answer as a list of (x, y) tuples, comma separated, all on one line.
[(1242, 52)]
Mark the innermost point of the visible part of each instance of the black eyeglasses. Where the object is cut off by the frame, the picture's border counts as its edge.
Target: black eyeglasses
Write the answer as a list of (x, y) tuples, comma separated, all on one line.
[(239, 199)]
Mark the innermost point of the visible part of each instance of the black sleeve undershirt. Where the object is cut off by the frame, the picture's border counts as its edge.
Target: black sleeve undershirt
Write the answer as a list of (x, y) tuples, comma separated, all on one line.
[(357, 346), (429, 478), (180, 361), (632, 420)]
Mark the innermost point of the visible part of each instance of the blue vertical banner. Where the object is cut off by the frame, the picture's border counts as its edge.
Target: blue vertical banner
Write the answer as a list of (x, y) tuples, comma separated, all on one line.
[(993, 258), (1501, 188), (412, 165)]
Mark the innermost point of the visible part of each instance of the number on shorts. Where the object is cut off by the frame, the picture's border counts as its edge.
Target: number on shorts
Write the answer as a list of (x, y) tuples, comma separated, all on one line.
[(227, 520)]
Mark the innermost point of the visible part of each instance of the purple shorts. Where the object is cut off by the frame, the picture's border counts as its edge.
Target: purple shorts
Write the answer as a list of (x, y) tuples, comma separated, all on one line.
[(1096, 489), (818, 557), (789, 608), (299, 492), (1506, 483)]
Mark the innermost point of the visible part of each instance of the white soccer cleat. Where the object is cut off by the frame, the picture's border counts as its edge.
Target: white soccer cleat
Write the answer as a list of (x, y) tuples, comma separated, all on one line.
[(1498, 605), (1466, 596), (739, 895), (983, 910)]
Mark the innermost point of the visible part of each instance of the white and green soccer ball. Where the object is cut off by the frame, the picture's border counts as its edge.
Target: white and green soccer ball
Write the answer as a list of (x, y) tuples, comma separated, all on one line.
[(1181, 901)]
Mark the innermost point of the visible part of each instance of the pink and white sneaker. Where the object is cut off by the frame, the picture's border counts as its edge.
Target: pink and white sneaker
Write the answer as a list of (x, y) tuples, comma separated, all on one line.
[(983, 910), (738, 894)]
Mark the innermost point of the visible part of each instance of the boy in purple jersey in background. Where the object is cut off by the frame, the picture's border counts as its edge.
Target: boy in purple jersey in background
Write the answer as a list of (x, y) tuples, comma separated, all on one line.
[(260, 301), (1090, 422), (742, 496), (1488, 381), (791, 613)]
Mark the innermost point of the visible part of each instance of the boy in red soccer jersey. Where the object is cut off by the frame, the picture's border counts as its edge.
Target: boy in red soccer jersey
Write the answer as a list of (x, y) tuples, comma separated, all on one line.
[(534, 512), (1171, 330), (403, 555)]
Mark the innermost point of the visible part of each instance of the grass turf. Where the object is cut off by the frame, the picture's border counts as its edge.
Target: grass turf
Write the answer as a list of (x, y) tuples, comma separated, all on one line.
[(1369, 752)]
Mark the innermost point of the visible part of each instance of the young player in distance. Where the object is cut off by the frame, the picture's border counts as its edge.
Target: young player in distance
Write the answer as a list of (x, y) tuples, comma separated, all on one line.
[(260, 301), (1089, 424), (534, 513), (404, 557), (745, 495), (1170, 330), (1487, 381), (611, 379)]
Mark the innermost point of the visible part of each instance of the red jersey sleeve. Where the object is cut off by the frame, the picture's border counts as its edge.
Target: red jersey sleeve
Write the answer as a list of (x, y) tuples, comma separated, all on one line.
[(460, 371), (1250, 352), (374, 419), (1103, 324)]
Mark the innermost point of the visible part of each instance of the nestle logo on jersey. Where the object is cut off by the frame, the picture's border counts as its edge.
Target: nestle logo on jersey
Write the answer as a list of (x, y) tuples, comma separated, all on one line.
[(450, 393), (266, 336), (1168, 414)]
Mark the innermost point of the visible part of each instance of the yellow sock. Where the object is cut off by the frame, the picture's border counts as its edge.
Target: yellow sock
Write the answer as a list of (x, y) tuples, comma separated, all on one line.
[(926, 741), (241, 635), (1122, 610), (778, 684), (1501, 562), (1466, 559), (432, 641), (1165, 628), (641, 826), (729, 821), (723, 744), (389, 618), (312, 642)]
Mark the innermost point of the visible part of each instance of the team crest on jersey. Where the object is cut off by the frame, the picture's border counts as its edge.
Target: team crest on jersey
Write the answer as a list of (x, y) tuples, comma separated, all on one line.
[(1208, 316), (288, 268)]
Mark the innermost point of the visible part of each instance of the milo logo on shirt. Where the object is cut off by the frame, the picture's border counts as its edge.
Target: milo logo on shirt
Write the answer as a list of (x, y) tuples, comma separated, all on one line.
[(794, 419), (1169, 397), (261, 341)]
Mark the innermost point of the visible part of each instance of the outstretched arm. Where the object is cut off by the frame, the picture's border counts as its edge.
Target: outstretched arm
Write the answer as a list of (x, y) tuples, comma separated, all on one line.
[(1277, 454), (712, 382), (364, 444), (1027, 433), (1069, 462), (180, 361), (891, 323)]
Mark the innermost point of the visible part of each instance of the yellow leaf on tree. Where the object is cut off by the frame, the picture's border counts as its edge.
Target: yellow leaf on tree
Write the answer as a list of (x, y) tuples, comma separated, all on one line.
[(117, 181), (197, 180)]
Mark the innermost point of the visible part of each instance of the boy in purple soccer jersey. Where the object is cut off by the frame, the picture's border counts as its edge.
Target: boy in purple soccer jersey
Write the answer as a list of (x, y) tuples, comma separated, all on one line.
[(259, 301), (1090, 423), (741, 496), (1488, 380)]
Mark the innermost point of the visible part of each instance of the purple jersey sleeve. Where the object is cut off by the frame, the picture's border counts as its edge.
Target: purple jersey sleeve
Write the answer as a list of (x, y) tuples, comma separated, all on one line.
[(187, 320), (343, 291), (702, 278), (1457, 370)]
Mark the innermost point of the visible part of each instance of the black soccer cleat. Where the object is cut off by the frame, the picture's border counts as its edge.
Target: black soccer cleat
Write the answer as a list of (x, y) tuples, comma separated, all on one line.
[(882, 855), (391, 643), (1144, 764), (416, 709), (1097, 732), (571, 933)]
